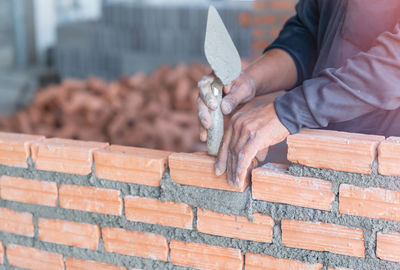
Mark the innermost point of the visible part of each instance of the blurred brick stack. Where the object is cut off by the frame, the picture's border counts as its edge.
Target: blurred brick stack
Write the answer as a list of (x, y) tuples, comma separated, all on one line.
[(157, 111), (266, 20)]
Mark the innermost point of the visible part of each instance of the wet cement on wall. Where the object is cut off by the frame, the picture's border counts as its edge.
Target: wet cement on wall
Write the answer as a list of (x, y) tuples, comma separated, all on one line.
[(216, 200)]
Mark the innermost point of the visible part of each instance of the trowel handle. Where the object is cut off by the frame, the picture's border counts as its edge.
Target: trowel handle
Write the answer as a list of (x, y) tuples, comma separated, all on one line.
[(216, 131)]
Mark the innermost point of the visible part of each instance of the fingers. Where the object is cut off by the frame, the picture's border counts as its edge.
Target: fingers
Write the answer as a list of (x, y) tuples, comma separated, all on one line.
[(203, 133), (244, 162), (238, 94), (206, 92), (204, 114), (262, 155), (221, 162)]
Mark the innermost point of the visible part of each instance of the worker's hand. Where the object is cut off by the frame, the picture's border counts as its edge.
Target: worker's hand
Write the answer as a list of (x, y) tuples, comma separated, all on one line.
[(251, 131), (239, 91)]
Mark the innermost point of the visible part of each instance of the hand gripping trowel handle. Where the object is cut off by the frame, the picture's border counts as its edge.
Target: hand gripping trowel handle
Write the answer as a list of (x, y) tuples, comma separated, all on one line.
[(216, 131)]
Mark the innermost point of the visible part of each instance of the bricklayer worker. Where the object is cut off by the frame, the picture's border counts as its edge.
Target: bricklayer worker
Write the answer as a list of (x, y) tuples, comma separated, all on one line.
[(339, 61)]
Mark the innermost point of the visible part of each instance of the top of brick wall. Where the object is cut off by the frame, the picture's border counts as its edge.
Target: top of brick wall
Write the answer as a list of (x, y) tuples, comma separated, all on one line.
[(324, 149)]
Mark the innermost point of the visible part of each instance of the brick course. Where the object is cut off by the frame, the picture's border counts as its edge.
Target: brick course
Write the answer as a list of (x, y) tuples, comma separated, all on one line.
[(69, 233), (131, 164), (32, 258), (92, 199), (153, 211), (28, 190), (323, 237), (205, 257), (16, 222), (235, 226)]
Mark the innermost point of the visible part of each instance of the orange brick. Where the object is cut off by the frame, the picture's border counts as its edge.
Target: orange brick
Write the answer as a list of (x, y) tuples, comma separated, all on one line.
[(64, 155), (369, 202), (282, 5), (264, 262), (140, 244), (389, 156), (323, 237), (79, 264), (15, 148), (244, 19), (235, 226), (326, 149), (204, 256), (198, 170), (28, 190), (69, 233), (388, 246), (1, 253), (32, 258), (16, 222), (131, 164), (153, 211), (263, 19), (258, 34), (91, 199), (259, 4), (275, 185)]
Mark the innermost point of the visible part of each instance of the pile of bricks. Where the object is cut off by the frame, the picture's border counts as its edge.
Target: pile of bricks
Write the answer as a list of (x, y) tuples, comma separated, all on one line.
[(155, 111), (67, 204)]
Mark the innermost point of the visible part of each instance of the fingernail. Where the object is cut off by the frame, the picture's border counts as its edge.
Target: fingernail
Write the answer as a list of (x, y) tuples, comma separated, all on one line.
[(218, 172), (226, 107), (212, 105)]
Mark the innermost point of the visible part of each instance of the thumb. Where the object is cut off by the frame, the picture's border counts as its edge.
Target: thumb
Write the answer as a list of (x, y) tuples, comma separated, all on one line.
[(237, 95)]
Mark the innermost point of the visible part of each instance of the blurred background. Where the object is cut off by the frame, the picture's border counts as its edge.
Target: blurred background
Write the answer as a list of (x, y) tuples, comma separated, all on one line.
[(121, 71)]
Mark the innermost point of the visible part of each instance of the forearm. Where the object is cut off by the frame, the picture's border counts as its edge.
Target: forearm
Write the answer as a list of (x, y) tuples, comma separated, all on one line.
[(273, 71)]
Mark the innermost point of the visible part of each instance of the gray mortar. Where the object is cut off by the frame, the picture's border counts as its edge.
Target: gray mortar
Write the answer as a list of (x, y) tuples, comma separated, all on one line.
[(228, 202), (217, 200), (338, 177)]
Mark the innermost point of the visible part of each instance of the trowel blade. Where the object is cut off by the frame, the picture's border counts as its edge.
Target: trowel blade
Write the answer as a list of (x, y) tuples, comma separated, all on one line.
[(219, 49)]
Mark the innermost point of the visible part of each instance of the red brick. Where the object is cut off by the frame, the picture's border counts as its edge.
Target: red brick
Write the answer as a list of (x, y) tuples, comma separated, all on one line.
[(153, 211), (16, 222), (79, 264), (1, 253), (282, 5), (32, 258), (235, 226), (326, 149), (28, 190), (259, 4), (275, 185), (263, 19), (15, 148), (197, 169), (91, 199), (244, 19), (204, 256), (388, 246), (131, 164), (389, 156), (140, 244), (69, 233), (264, 262), (64, 155), (369, 202), (323, 237)]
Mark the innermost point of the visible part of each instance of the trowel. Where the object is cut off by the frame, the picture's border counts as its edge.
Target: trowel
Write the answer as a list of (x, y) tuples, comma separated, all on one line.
[(224, 59)]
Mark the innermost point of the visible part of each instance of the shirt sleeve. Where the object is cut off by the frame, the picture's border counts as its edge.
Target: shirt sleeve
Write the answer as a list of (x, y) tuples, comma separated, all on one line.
[(366, 82), (298, 38)]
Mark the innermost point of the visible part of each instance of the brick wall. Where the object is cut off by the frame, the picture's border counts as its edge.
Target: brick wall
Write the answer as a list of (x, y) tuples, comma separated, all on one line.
[(266, 20), (68, 204)]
